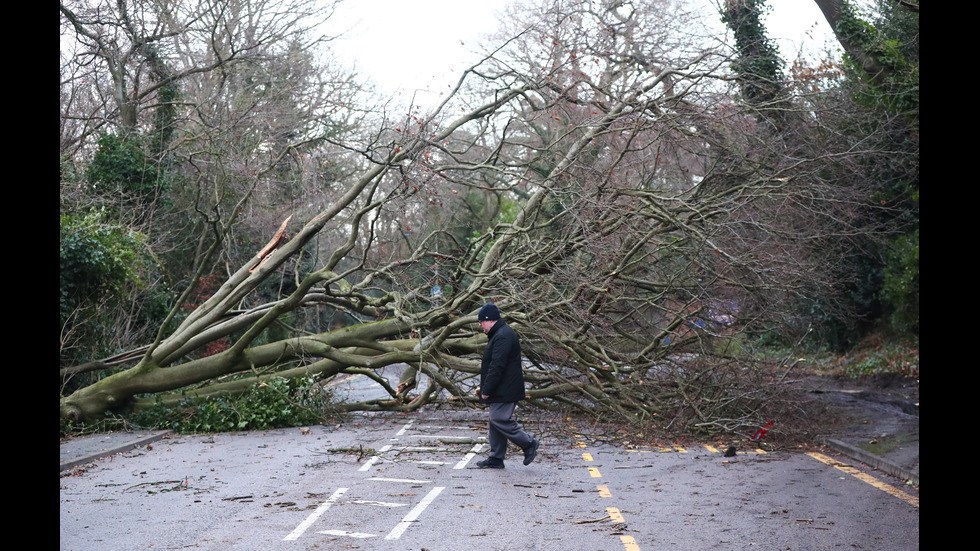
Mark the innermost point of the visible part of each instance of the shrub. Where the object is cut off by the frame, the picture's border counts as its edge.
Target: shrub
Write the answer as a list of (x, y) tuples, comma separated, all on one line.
[(274, 403)]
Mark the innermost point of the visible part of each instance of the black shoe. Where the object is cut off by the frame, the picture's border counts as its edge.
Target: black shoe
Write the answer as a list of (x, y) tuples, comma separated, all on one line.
[(490, 463), (531, 452)]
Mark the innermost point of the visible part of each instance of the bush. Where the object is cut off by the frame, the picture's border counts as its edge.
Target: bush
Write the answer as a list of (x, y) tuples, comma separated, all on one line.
[(112, 291), (96, 259), (886, 359), (275, 403), (901, 288), (121, 168)]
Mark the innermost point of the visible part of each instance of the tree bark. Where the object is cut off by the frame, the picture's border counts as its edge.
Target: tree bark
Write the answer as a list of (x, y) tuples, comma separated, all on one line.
[(852, 40)]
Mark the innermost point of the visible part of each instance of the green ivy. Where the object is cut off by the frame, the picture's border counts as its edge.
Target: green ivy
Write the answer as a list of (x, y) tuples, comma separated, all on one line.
[(759, 67), (97, 258), (120, 169), (899, 93), (901, 286), (891, 359), (274, 403)]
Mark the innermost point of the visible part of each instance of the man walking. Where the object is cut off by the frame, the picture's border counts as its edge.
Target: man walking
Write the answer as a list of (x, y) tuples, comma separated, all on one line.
[(502, 386)]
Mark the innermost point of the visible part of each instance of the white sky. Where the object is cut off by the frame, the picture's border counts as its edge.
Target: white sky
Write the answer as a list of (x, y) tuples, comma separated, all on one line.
[(405, 45)]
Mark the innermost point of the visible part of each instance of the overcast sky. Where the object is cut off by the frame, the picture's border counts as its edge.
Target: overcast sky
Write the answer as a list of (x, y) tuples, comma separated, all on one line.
[(427, 43)]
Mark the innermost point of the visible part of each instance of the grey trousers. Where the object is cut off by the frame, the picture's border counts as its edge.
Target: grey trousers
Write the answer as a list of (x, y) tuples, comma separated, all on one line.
[(503, 427)]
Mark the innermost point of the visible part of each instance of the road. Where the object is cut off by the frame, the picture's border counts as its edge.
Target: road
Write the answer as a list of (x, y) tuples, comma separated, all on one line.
[(409, 482)]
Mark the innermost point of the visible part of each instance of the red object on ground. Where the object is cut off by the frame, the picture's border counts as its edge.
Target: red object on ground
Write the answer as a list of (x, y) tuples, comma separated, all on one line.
[(762, 432)]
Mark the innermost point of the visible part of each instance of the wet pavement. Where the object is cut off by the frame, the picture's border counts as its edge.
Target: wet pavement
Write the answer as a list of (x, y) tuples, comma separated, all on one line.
[(377, 482), (884, 432), (86, 449), (893, 450), (887, 441)]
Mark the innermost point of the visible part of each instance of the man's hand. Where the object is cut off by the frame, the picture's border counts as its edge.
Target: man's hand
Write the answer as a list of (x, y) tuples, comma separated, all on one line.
[(485, 397)]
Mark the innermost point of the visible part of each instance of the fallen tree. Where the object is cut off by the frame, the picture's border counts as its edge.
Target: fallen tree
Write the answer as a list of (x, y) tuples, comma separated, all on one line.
[(632, 222)]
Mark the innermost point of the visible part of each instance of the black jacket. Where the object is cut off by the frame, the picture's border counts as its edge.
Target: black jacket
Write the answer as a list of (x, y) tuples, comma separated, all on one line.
[(501, 375)]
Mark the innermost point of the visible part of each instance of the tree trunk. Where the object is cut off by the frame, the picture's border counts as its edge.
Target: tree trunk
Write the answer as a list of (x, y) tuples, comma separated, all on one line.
[(853, 38)]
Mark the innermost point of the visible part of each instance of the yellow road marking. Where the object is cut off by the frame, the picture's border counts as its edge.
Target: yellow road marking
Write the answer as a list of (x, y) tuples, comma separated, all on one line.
[(629, 543), (615, 515), (887, 488), (713, 449)]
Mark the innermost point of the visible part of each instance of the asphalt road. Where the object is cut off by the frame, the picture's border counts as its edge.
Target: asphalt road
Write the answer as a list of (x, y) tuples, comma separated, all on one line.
[(409, 482)]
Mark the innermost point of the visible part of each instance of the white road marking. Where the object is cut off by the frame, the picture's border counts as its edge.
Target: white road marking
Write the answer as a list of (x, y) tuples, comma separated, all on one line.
[(466, 458), (404, 428), (410, 480), (315, 514), (414, 514), (379, 503), (450, 437), (374, 458), (345, 533)]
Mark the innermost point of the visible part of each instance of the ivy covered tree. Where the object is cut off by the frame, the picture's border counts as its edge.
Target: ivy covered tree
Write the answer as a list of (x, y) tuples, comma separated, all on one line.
[(881, 72), (806, 114), (759, 68)]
